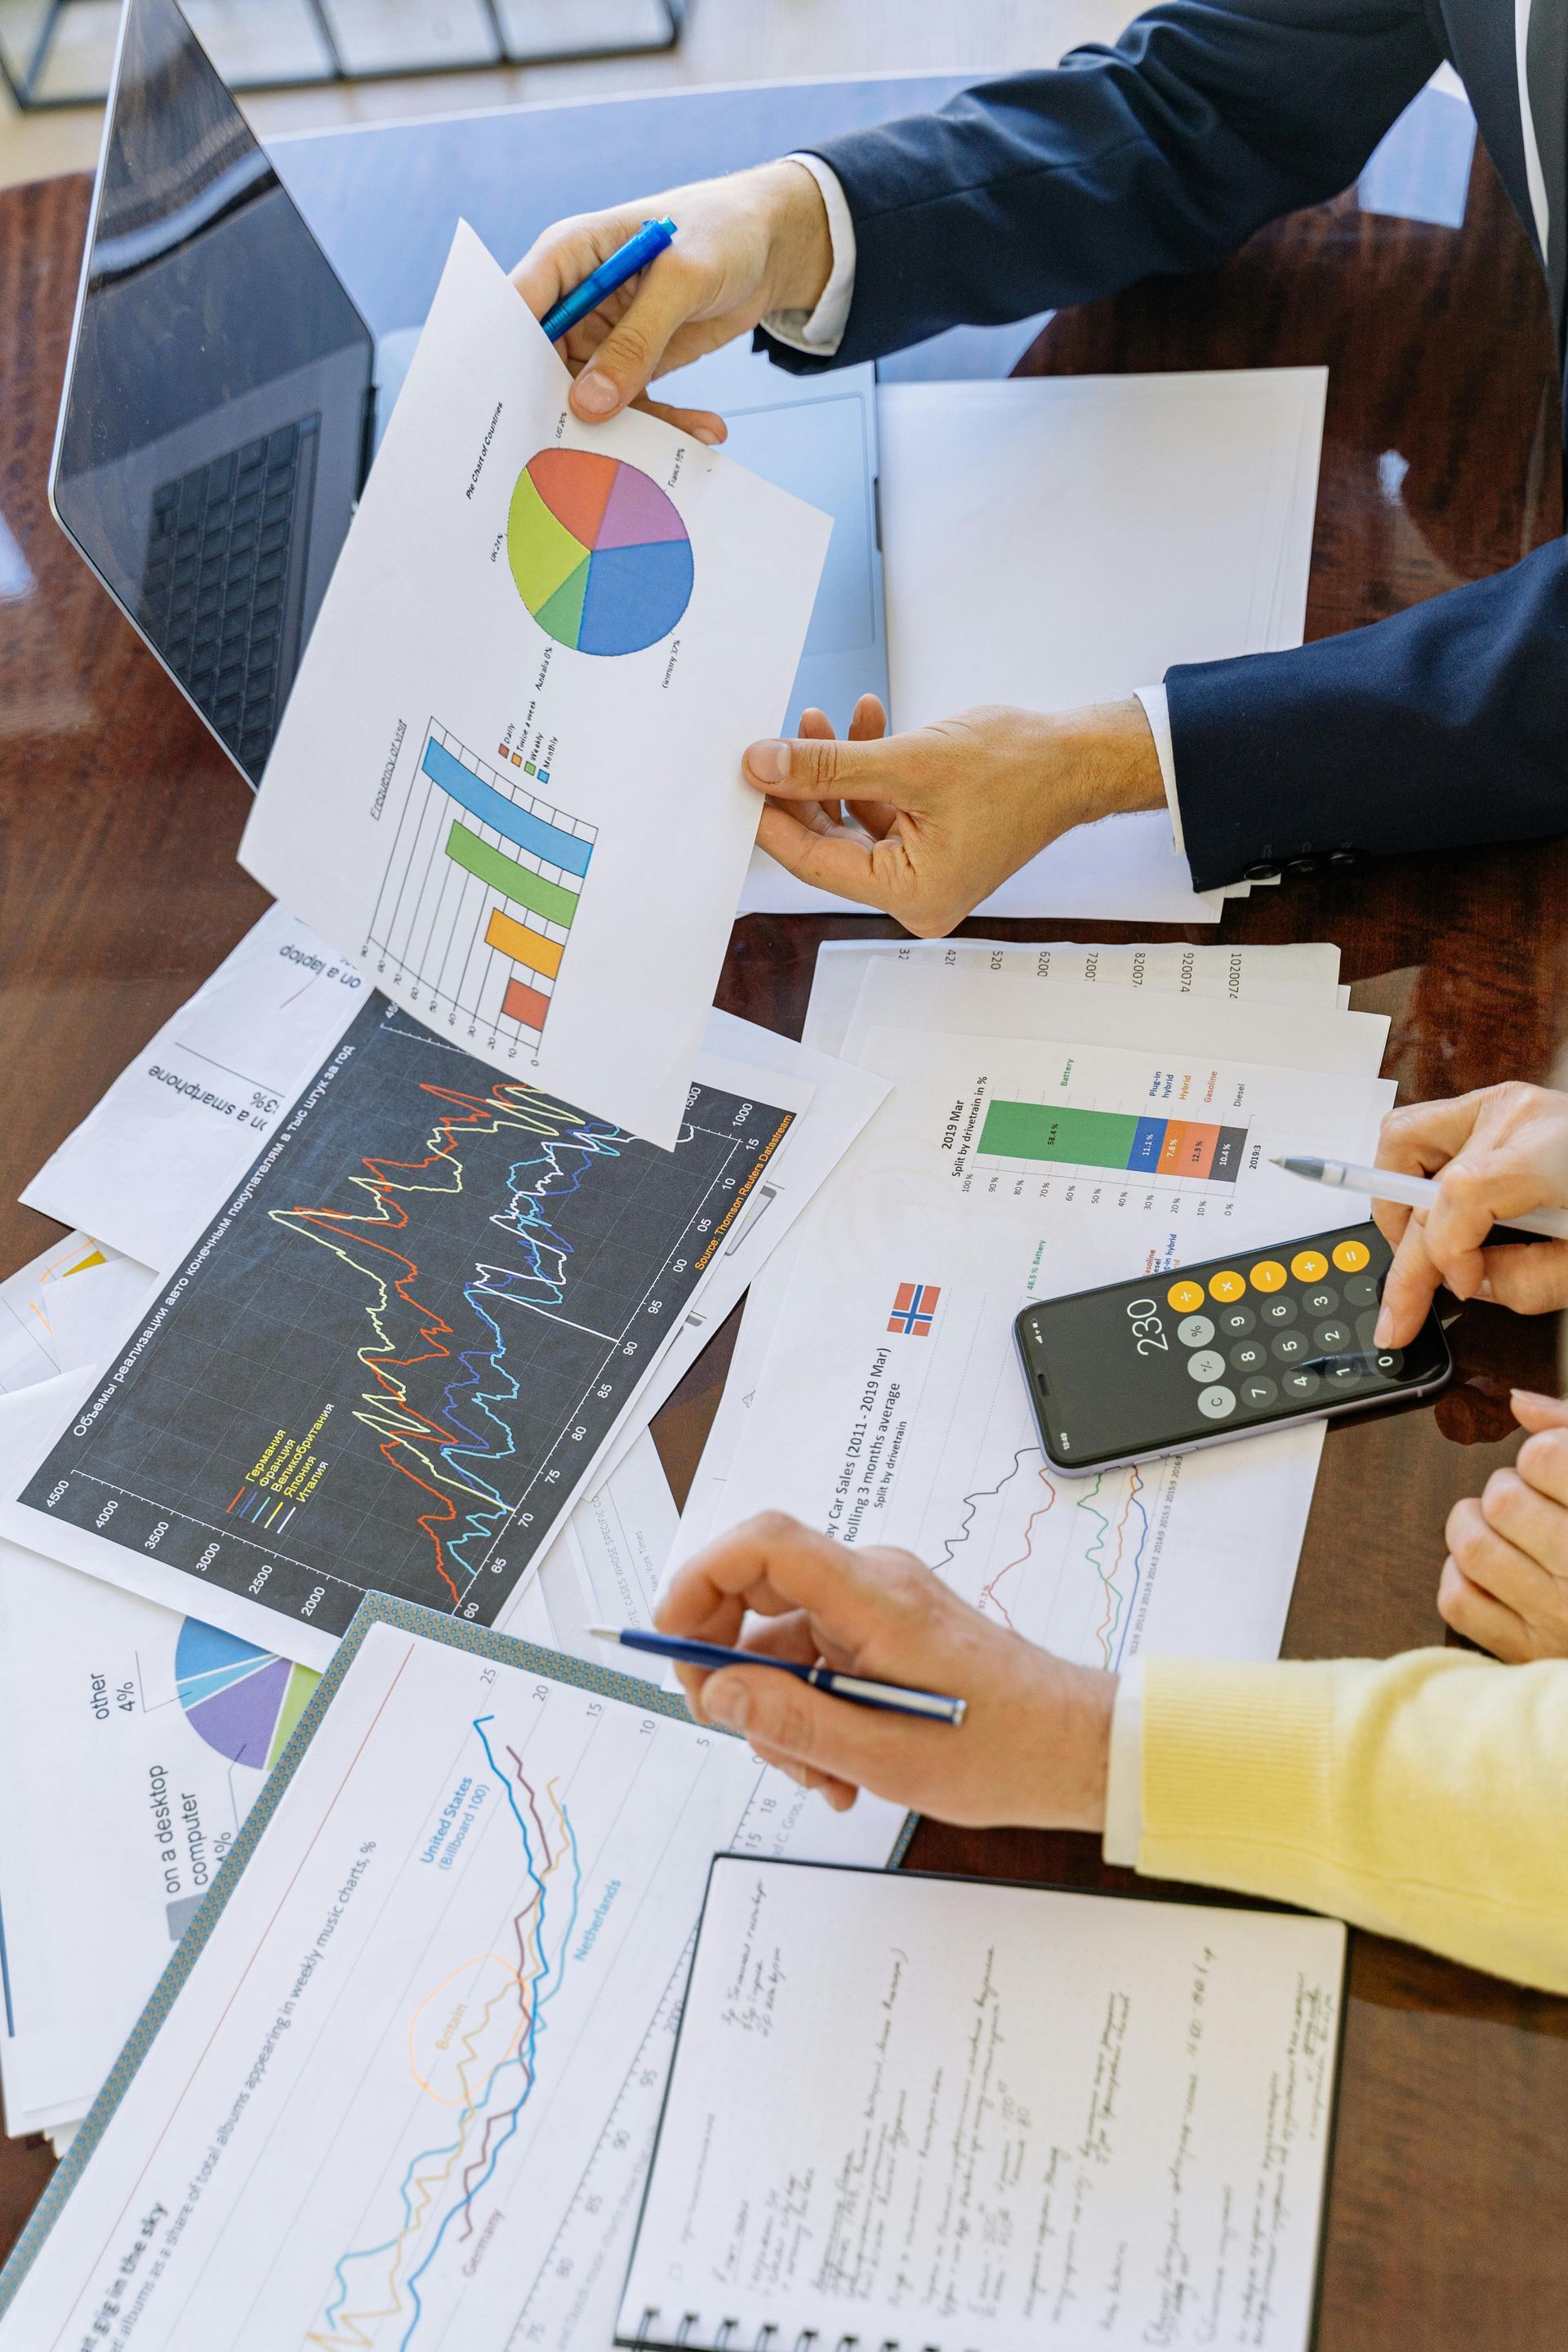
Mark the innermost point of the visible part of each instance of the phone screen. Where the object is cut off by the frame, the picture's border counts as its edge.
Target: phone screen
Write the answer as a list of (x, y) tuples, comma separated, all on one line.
[(1214, 1351)]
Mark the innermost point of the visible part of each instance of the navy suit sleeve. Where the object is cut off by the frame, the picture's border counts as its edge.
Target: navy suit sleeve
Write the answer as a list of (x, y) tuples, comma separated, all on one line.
[(1443, 725), (1207, 119)]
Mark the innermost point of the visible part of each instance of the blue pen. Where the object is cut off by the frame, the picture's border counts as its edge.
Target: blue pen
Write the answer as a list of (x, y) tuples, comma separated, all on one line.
[(635, 254), (892, 1697)]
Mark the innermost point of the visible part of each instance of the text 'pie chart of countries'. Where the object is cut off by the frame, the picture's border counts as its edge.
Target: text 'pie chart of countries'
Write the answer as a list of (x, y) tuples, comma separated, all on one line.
[(599, 554)]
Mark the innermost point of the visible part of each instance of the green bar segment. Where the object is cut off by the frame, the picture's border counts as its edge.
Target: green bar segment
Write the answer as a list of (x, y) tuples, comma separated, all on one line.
[(1087, 1139), (512, 880)]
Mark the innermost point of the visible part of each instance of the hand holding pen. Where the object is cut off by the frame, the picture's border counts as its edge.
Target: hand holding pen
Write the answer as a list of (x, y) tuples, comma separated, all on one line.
[(1499, 1156), (1033, 1740)]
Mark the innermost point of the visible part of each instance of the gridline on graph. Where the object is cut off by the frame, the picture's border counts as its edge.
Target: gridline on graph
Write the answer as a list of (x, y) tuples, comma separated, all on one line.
[(482, 886)]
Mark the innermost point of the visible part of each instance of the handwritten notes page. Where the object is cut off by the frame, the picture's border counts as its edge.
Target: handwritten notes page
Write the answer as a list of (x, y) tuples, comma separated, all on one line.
[(952, 2116)]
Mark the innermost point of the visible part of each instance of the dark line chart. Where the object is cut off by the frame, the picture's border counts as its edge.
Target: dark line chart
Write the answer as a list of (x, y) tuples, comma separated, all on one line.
[(389, 1363)]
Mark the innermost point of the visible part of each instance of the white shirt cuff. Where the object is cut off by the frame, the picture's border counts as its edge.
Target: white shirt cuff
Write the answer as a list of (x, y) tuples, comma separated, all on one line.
[(1124, 1777), (820, 331), (1157, 712)]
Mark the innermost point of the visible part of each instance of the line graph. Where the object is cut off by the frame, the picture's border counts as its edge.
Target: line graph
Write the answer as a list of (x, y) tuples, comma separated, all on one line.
[(382, 2282), (1061, 1561), (390, 1363)]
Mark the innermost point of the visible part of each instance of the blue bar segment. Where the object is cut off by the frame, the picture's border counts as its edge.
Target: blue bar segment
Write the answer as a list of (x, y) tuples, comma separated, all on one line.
[(1147, 1145), (566, 850)]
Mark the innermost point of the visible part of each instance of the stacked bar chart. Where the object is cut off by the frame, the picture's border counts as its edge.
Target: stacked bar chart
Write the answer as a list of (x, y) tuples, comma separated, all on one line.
[(1093, 1141), (481, 889)]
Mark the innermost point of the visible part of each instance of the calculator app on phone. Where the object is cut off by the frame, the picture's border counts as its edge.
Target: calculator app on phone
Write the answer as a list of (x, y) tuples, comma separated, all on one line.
[(1221, 1349)]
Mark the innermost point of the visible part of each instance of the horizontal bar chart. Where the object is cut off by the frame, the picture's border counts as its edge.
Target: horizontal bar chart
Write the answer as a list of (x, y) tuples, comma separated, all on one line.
[(1062, 1135), (482, 886)]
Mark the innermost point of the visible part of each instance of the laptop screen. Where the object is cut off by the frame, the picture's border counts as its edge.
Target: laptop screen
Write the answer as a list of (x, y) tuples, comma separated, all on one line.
[(215, 427)]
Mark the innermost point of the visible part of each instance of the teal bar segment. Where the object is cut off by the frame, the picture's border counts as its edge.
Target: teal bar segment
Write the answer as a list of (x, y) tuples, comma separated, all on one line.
[(569, 851)]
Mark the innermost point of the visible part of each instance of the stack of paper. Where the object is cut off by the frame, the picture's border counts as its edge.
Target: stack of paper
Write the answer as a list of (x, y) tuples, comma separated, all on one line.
[(1052, 541), (396, 1321), (925, 1438)]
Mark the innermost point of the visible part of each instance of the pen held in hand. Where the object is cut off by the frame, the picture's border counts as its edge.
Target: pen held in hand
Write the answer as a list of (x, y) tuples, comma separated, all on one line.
[(892, 1698), (650, 241), (1420, 1192)]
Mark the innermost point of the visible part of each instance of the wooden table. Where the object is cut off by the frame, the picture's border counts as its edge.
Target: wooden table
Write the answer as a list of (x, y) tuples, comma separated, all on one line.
[(1449, 2219)]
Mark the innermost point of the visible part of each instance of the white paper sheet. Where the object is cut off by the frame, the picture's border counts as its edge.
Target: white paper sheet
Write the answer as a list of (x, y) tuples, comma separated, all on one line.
[(1051, 541), (151, 1734), (945, 2113), (1305, 974), (532, 831), (926, 1439), (50, 1308), (182, 1122), (929, 996), (413, 2077)]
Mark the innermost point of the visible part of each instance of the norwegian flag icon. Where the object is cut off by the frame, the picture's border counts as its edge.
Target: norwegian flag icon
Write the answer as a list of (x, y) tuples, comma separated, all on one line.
[(913, 1309)]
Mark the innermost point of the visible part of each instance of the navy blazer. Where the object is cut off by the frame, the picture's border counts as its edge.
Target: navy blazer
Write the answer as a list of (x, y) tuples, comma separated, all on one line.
[(1444, 725)]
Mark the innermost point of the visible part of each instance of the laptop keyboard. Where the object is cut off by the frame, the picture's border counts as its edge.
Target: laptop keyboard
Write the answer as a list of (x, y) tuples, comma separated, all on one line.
[(215, 581)]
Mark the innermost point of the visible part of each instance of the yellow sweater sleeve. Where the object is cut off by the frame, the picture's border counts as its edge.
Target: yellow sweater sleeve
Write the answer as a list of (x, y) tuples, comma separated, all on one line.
[(1424, 1796)]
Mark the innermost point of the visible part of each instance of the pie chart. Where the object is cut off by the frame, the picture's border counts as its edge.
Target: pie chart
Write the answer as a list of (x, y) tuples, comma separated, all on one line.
[(242, 1701), (598, 552)]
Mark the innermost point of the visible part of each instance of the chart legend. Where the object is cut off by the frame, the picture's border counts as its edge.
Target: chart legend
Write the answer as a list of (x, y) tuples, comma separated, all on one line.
[(1092, 1141), (481, 889), (598, 552)]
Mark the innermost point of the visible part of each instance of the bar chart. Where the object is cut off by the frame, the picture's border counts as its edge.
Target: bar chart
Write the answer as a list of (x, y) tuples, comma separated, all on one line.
[(1059, 1135), (481, 889)]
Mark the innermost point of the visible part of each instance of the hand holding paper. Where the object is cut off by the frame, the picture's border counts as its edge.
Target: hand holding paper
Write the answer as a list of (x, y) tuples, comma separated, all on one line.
[(943, 814)]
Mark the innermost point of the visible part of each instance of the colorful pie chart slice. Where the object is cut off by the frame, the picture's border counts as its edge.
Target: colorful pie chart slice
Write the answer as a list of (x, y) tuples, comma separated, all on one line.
[(598, 552), (243, 1701)]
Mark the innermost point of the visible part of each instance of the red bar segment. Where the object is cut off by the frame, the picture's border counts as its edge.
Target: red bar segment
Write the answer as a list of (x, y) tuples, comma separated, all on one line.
[(526, 1004)]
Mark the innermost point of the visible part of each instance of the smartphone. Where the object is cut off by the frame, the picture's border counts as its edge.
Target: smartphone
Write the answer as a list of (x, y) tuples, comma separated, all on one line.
[(1254, 1340)]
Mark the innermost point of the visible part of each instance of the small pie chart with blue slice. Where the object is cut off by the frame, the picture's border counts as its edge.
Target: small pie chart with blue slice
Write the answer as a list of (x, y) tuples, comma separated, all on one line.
[(243, 1701), (598, 552)]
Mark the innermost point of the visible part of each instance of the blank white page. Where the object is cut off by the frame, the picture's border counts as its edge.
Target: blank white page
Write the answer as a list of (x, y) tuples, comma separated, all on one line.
[(933, 2113)]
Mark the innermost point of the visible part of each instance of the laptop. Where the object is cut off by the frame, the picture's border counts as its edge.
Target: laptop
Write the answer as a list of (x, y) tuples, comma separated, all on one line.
[(224, 399)]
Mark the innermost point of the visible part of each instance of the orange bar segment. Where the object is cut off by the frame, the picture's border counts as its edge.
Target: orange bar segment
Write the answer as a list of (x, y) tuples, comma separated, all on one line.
[(1173, 1150), (515, 939), (525, 1005)]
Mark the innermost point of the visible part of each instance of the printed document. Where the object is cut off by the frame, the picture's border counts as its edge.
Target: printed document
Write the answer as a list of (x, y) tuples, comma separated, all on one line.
[(507, 784)]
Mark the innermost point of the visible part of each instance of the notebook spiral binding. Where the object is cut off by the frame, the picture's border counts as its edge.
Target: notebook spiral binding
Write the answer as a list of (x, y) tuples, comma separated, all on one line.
[(727, 2337)]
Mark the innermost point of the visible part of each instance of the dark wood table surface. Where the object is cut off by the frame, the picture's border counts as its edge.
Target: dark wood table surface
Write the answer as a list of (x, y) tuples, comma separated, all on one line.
[(119, 817)]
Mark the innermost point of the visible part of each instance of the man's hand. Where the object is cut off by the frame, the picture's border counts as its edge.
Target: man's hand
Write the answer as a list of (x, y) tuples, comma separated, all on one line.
[(1505, 1580), (745, 245), (938, 817), (1032, 1747), (1496, 1154)]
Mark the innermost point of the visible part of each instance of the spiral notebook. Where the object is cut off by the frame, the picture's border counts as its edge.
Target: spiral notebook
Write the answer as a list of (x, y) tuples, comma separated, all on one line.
[(925, 2114)]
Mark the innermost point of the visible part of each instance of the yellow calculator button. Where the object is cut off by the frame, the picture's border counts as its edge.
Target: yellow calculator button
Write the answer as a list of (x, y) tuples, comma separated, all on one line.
[(1268, 1275), (1309, 1266), (1225, 1287), (1185, 1296), (1351, 1257)]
